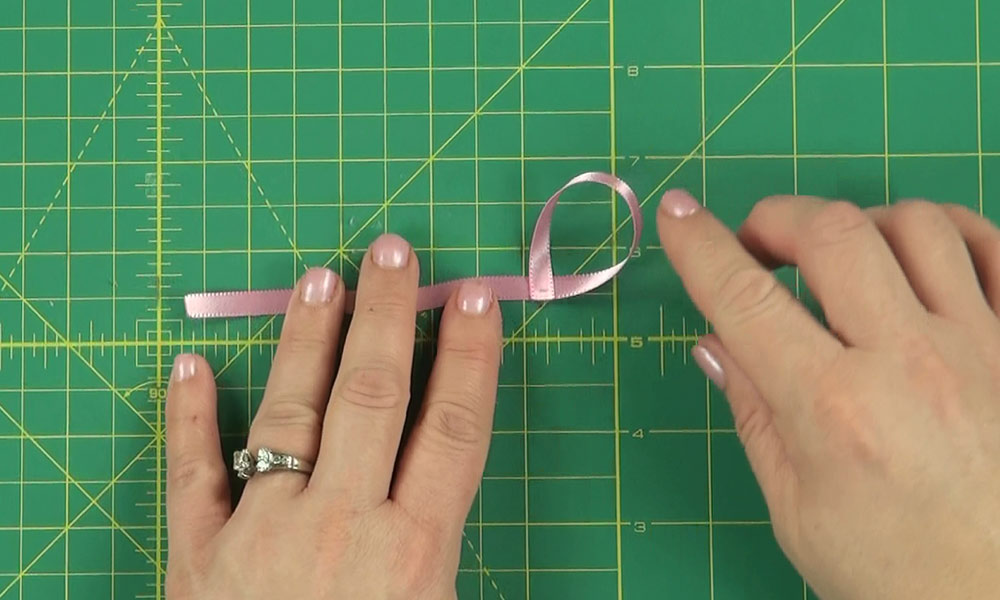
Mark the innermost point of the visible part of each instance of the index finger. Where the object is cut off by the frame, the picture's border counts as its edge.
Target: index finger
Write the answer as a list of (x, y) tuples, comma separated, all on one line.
[(769, 333), (198, 502)]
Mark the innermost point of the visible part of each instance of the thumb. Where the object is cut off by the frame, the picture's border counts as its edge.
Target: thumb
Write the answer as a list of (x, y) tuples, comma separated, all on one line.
[(754, 424)]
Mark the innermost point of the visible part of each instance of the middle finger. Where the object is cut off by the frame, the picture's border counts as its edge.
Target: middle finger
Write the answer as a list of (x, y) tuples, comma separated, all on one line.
[(364, 421)]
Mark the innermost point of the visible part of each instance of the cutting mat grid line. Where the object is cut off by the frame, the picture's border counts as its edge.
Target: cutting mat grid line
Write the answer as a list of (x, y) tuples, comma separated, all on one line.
[(165, 147)]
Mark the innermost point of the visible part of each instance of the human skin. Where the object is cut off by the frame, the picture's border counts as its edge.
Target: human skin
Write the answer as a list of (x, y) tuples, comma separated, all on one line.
[(876, 441)]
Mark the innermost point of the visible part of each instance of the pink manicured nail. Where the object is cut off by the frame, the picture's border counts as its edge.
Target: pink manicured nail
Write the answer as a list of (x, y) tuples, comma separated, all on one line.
[(679, 204), (318, 286), (184, 367), (390, 251), (710, 365), (474, 298)]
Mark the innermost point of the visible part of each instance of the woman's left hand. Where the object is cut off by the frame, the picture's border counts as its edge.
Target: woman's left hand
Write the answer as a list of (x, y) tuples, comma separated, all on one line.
[(362, 525)]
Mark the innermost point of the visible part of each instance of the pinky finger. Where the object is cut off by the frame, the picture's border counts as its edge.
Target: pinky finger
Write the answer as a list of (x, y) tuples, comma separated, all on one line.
[(754, 425), (198, 502), (983, 240)]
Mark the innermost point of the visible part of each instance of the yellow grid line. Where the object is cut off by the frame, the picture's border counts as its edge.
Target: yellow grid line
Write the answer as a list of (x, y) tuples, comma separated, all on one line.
[(483, 569), (708, 401), (24, 215), (65, 528), (26, 304), (475, 150), (67, 344), (979, 104), (125, 345), (699, 147), (114, 311), (885, 100), (341, 252), (340, 134), (386, 113), (669, 157), (359, 24), (616, 359), (72, 165), (548, 67), (478, 112), (524, 357), (69, 270), (114, 522), (616, 320), (158, 404), (245, 161)]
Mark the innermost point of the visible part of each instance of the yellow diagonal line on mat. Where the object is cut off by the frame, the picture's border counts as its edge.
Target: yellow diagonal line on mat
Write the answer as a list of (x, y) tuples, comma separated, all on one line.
[(245, 161), (475, 115), (342, 252), (694, 152), (482, 566), (26, 568), (79, 157), (5, 281), (93, 500), (69, 346)]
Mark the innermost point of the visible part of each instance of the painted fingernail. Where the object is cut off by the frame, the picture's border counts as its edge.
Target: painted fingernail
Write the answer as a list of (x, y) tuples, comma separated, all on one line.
[(184, 367), (318, 286), (474, 298), (391, 251), (710, 365), (679, 204)]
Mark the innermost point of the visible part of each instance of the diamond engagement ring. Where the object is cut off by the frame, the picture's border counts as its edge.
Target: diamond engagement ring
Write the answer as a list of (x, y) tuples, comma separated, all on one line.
[(246, 466)]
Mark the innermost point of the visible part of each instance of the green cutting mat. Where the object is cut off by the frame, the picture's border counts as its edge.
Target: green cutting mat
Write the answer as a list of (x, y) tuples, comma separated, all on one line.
[(153, 148)]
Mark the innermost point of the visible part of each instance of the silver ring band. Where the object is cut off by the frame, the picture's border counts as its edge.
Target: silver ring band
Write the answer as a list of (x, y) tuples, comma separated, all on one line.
[(266, 461)]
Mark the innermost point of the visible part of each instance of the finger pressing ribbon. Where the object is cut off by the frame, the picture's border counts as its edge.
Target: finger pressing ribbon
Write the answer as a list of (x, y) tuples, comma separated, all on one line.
[(541, 284)]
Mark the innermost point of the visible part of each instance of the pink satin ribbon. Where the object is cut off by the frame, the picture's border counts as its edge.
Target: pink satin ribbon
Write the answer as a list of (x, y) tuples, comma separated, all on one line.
[(541, 284)]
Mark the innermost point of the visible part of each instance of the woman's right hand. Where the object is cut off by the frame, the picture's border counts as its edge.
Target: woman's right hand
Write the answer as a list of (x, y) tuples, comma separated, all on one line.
[(876, 442)]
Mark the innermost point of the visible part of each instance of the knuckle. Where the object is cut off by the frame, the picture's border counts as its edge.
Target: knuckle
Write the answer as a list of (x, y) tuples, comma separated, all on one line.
[(416, 571), (387, 305), (960, 209), (455, 424), (917, 209), (373, 387), (769, 203), (288, 413), (194, 472), (706, 249), (746, 293), (848, 422), (306, 341), (932, 372), (835, 223), (921, 216), (474, 357)]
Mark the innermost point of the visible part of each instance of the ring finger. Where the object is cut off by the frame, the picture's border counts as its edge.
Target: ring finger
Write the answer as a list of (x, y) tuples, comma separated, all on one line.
[(291, 413)]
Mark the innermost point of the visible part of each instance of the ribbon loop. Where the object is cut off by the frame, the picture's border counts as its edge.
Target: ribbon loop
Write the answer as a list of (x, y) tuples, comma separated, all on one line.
[(541, 284)]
